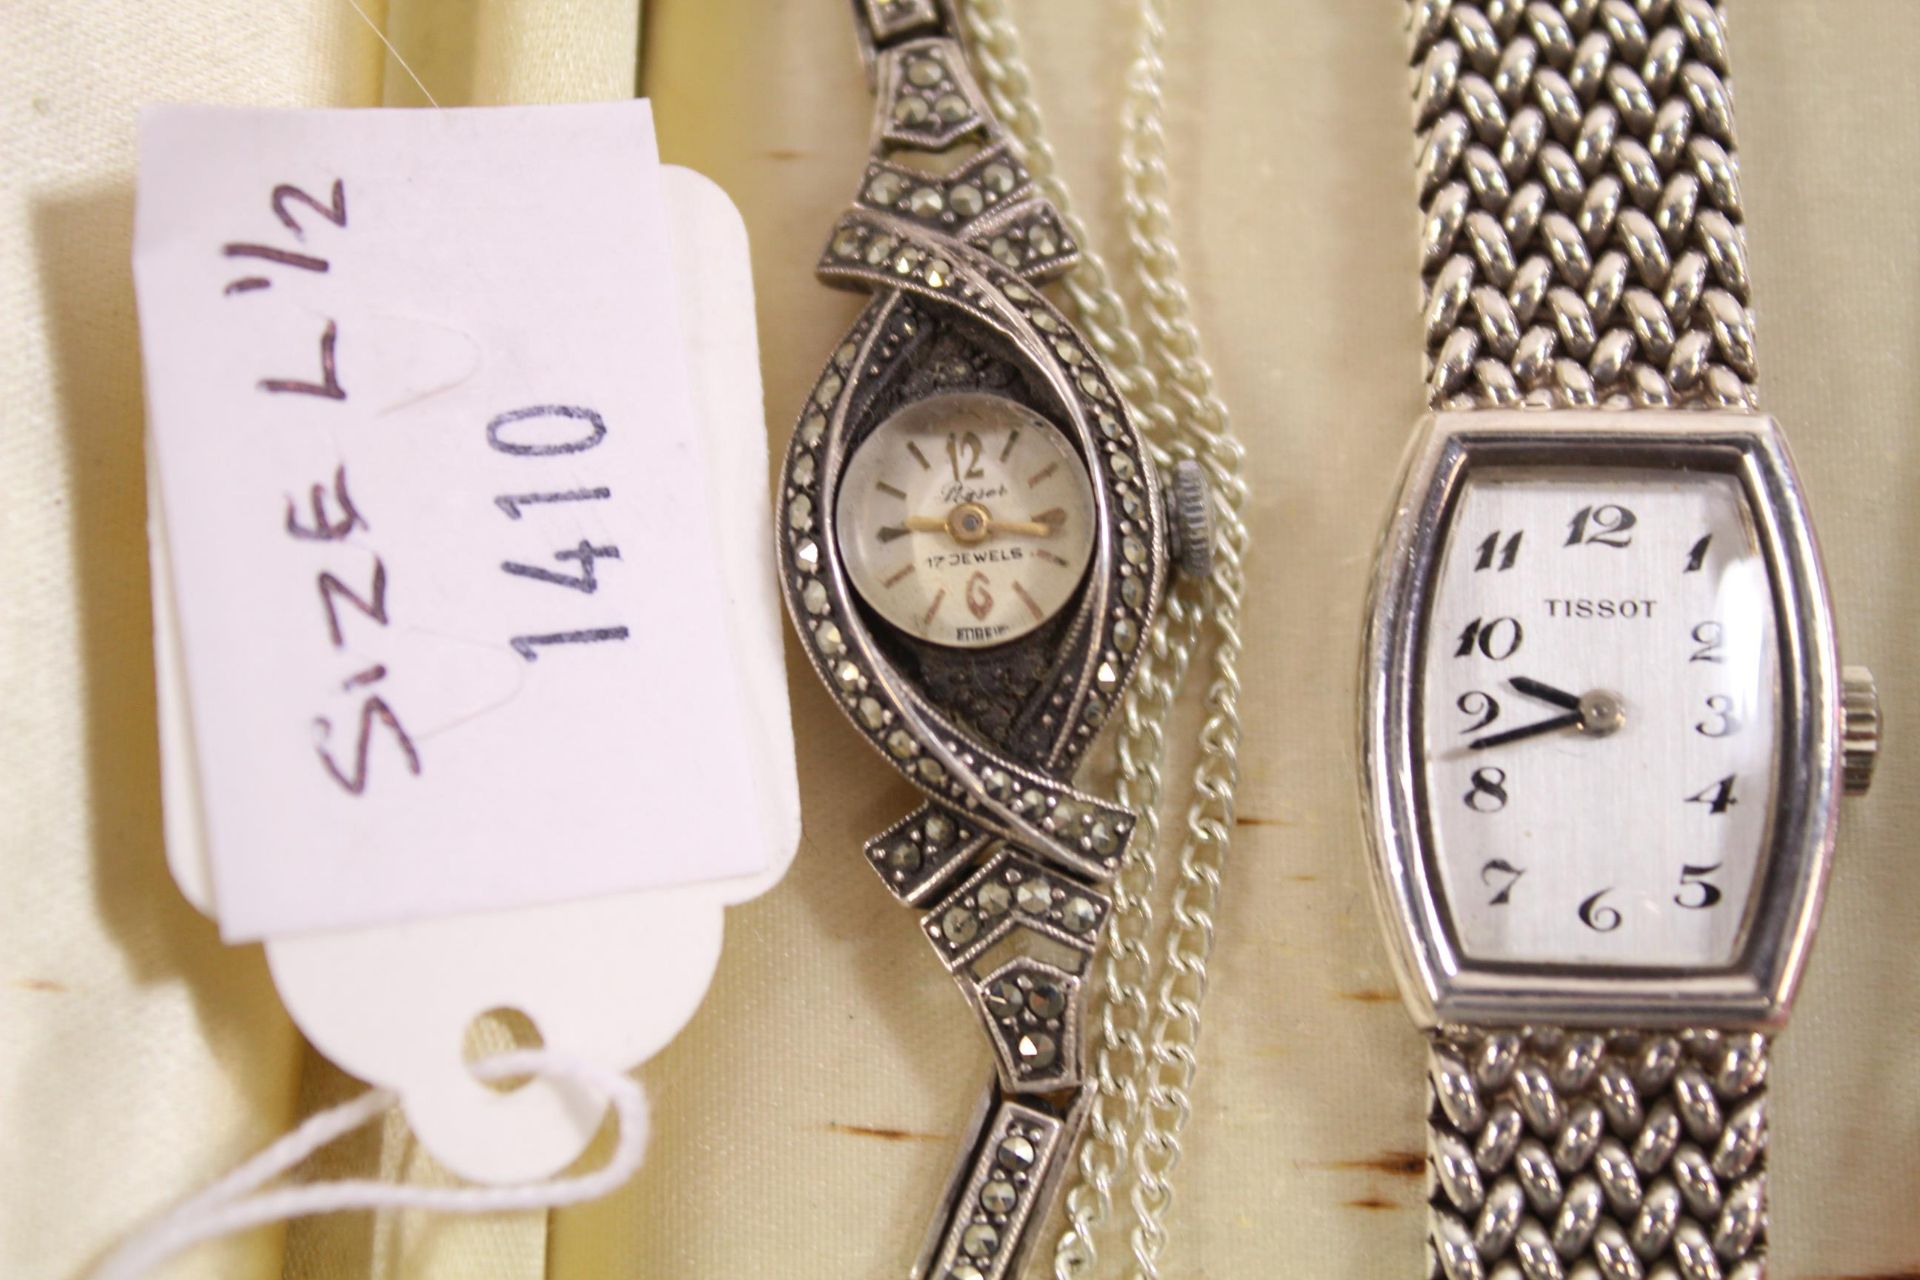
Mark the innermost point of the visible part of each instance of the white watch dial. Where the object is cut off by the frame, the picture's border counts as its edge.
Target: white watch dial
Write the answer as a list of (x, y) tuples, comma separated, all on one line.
[(966, 520), (1599, 706)]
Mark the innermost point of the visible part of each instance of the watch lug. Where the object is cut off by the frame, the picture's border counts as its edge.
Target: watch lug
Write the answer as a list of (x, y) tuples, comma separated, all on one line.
[(1859, 728)]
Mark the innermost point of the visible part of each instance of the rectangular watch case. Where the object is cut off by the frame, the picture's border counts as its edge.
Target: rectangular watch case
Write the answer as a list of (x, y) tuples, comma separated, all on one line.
[(1440, 984)]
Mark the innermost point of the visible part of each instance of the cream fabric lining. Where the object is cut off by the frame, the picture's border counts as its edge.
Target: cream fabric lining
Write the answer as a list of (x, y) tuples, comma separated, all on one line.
[(804, 1122)]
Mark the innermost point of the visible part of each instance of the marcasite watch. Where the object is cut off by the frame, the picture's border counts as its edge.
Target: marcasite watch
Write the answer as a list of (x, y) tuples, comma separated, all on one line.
[(972, 544), (1605, 730)]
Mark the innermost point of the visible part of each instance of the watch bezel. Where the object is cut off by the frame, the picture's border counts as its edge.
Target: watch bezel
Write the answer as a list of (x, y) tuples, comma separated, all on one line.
[(1440, 984)]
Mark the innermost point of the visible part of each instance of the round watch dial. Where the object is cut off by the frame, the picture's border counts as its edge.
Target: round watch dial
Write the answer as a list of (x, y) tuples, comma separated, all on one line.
[(966, 520), (1599, 706)]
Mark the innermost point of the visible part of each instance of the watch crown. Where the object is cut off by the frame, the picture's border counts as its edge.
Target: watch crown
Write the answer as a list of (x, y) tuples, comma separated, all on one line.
[(1859, 728), (1189, 519)]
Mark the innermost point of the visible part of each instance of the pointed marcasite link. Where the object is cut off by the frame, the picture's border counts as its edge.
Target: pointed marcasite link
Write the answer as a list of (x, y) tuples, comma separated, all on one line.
[(1556, 1155), (928, 102), (1582, 228)]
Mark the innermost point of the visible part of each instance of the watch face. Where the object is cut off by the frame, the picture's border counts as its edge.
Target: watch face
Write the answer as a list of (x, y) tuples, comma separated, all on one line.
[(966, 520), (1598, 704)]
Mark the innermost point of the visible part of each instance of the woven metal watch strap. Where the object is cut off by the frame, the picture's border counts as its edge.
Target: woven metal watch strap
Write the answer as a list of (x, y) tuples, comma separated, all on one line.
[(1582, 230), (1586, 1154)]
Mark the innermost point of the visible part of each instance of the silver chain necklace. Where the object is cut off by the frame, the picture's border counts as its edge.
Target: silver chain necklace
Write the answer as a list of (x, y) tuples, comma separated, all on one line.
[(1148, 1009)]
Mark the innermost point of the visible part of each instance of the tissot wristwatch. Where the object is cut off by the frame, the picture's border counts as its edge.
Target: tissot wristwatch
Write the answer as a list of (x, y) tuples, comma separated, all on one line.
[(1605, 731), (972, 543)]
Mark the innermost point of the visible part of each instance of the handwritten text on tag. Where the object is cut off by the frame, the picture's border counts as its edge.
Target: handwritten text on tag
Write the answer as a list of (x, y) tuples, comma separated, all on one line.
[(454, 636)]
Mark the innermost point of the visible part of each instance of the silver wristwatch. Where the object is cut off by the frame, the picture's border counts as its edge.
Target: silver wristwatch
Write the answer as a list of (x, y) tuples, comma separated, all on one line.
[(972, 544), (1605, 730)]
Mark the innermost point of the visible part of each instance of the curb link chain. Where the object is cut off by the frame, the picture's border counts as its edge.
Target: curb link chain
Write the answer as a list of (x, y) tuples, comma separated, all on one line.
[(1144, 1051)]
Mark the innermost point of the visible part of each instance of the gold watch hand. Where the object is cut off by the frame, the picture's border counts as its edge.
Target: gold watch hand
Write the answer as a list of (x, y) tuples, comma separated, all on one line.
[(970, 523)]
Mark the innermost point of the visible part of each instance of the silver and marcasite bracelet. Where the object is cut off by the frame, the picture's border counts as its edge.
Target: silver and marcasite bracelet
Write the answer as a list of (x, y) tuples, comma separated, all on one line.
[(993, 542)]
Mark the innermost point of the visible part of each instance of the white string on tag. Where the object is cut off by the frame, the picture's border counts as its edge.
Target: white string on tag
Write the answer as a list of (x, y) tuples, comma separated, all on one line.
[(397, 55), (230, 1205)]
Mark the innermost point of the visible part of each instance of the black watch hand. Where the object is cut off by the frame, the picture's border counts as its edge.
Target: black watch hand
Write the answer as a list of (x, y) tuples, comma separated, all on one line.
[(1546, 693), (1567, 721)]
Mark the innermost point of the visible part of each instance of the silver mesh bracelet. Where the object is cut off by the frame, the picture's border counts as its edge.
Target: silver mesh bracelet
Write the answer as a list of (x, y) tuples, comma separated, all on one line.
[(1597, 1154), (1581, 222), (1582, 244)]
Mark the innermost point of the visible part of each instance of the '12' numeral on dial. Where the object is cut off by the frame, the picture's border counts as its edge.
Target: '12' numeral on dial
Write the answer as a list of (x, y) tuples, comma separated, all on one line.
[(1610, 524), (970, 445)]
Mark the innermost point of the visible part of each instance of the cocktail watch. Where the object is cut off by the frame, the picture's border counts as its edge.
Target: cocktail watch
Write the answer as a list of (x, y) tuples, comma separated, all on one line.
[(973, 543), (1605, 730)]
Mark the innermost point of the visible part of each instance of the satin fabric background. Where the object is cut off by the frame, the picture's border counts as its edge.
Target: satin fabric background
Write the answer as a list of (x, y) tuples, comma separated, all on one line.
[(805, 1121)]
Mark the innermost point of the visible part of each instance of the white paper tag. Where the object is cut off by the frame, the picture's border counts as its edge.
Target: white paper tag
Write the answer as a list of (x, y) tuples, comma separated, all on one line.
[(606, 980), (453, 615)]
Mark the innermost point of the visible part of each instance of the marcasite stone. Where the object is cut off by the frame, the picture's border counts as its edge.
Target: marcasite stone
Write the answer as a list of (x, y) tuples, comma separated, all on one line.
[(959, 926), (1079, 914), (1016, 1153), (1037, 1051)]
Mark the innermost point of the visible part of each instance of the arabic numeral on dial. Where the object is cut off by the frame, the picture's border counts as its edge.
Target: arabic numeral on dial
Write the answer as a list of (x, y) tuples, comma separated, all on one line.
[(1601, 527), (970, 445), (1696, 878), (1493, 550), (1722, 722), (1698, 555), (1489, 793), (1483, 705), (1718, 798), (1498, 639), (1596, 917), (1508, 875), (1709, 636)]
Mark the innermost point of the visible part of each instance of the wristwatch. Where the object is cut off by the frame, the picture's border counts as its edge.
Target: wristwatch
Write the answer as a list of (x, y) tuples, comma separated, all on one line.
[(1605, 731), (972, 545)]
